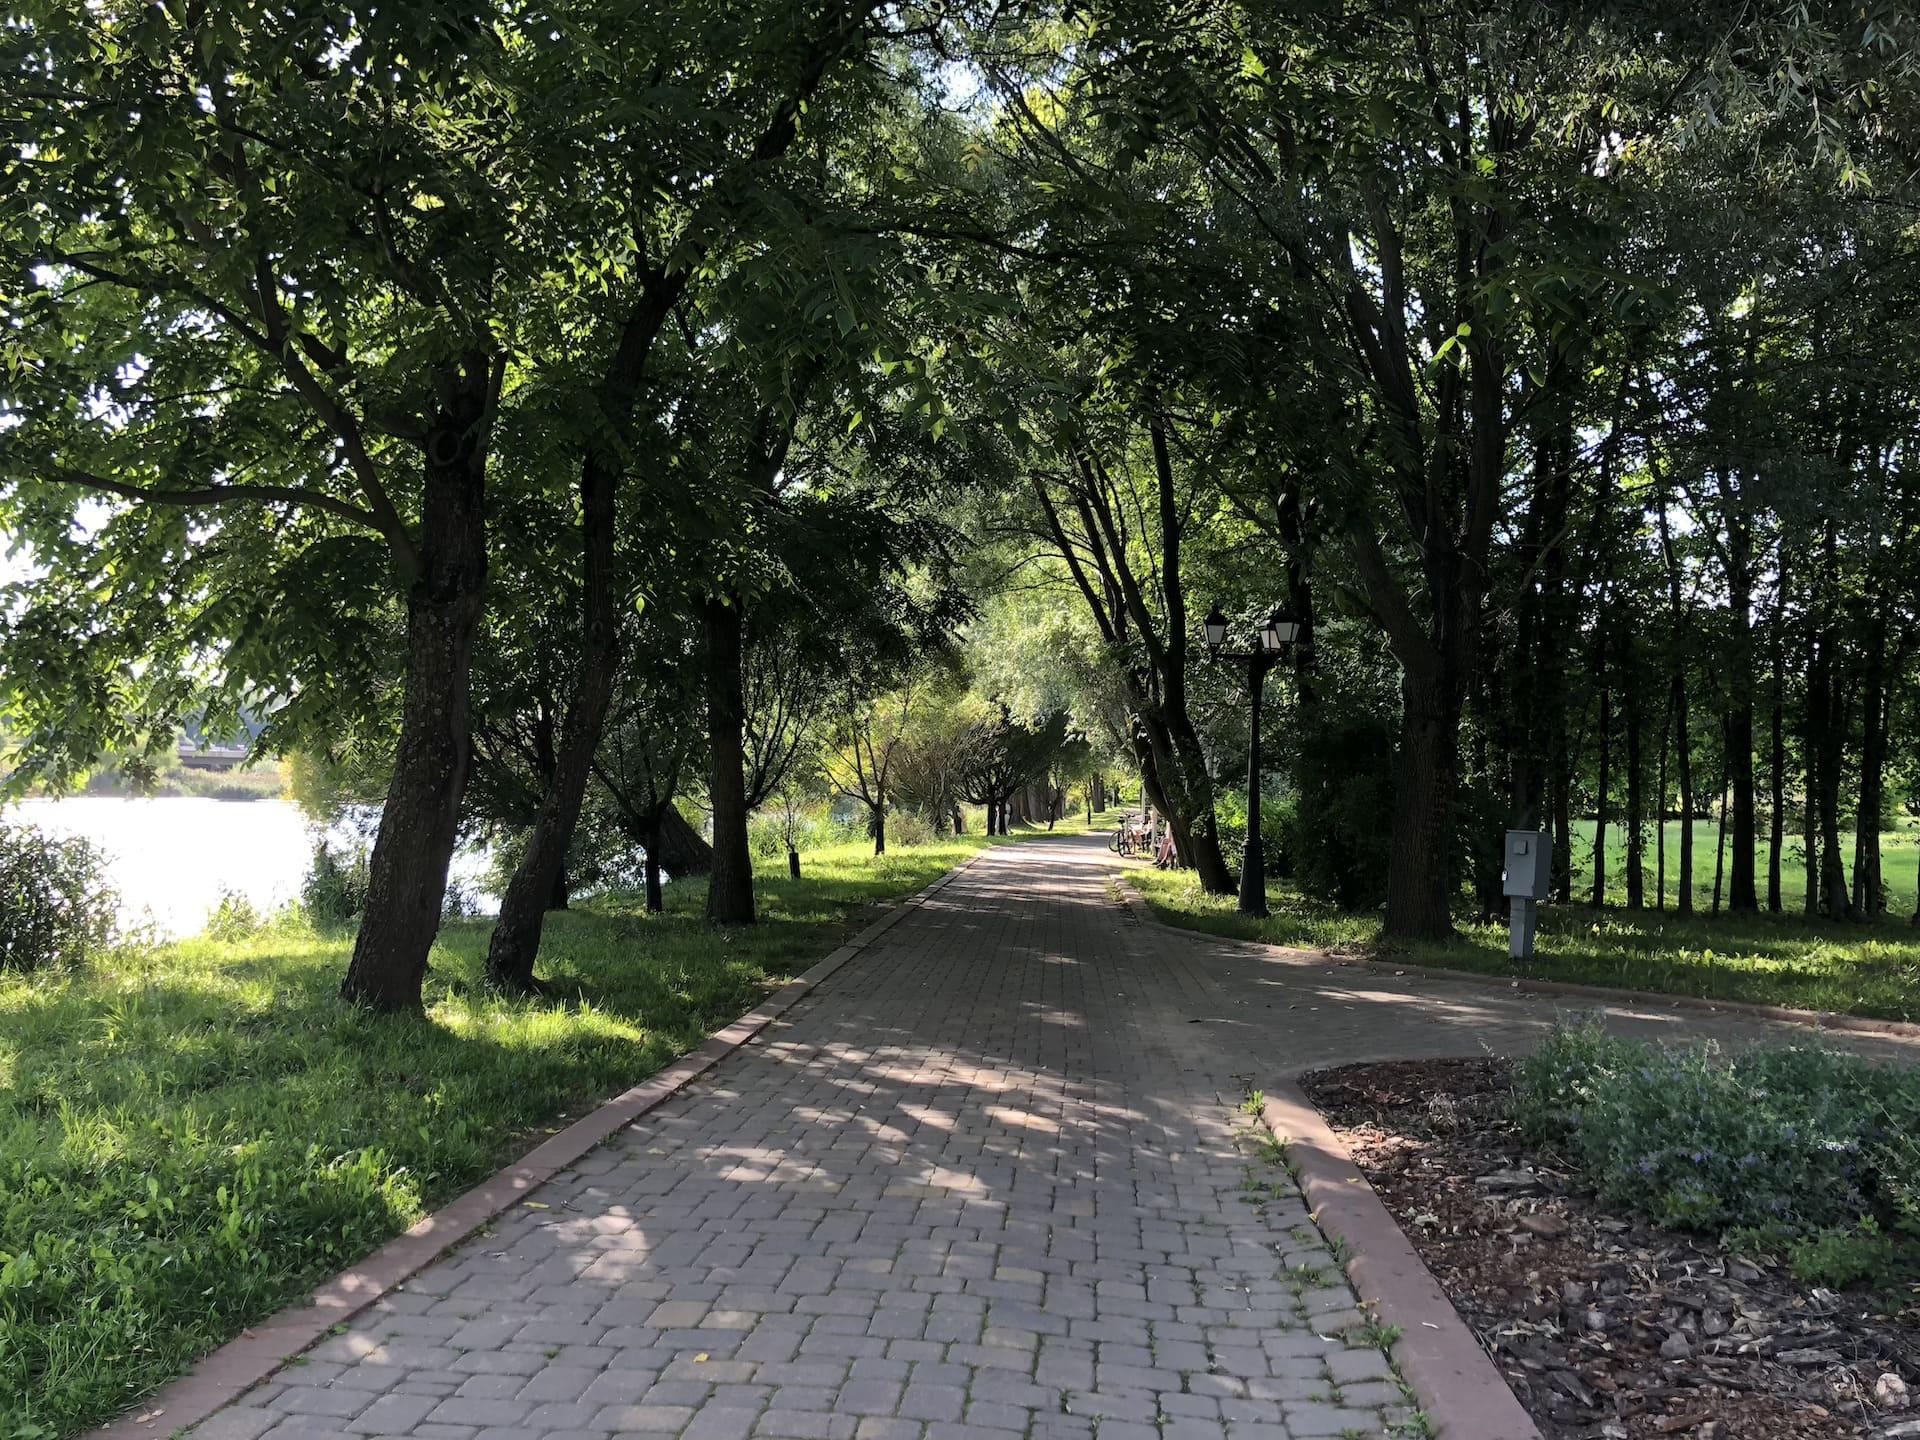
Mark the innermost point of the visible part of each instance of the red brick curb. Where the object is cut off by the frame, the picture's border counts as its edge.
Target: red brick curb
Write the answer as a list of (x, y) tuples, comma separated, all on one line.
[(1641, 999), (243, 1362), (1453, 1379)]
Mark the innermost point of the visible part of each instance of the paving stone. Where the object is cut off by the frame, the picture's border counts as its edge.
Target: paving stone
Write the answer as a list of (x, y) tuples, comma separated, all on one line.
[(961, 1191)]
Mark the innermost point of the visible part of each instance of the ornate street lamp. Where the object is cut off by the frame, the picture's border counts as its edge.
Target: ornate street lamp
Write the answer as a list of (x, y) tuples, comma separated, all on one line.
[(1279, 631)]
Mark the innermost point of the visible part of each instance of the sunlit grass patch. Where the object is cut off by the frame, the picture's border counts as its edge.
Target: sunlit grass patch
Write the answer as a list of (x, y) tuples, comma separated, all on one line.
[(1848, 968), (193, 1134)]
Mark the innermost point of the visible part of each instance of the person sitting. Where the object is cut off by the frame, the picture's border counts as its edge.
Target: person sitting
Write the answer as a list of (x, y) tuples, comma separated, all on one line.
[(1166, 855)]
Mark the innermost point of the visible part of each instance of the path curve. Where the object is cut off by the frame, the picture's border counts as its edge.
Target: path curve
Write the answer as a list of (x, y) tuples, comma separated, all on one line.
[(990, 1179)]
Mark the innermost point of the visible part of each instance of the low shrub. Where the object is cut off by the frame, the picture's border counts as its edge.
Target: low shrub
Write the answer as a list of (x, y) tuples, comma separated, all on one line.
[(335, 889), (1789, 1143), (56, 908), (909, 827)]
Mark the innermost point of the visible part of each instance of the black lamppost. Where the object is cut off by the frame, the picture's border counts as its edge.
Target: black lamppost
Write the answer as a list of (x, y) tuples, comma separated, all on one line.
[(1278, 632)]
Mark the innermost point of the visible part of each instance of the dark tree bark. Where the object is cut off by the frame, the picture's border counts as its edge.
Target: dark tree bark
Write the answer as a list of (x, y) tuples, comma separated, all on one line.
[(1166, 742), (562, 895), (1426, 777), (1560, 799), (1810, 823), (515, 943), (1660, 809), (1827, 729), (1683, 765), (1742, 894), (1097, 793), (1720, 836), (1777, 760), (1682, 721), (407, 875), (1636, 786), (1869, 893), (1604, 775), (730, 885), (656, 900), (877, 828)]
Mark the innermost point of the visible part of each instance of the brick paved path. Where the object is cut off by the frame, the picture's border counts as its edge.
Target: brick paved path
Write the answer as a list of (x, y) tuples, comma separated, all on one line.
[(988, 1180), (984, 1182)]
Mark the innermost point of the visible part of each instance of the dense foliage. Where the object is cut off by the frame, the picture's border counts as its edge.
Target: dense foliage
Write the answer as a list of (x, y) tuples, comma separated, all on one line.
[(57, 907)]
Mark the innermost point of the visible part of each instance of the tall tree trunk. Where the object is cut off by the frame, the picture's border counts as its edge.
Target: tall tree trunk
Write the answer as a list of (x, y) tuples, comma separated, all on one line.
[(656, 901), (1682, 721), (1742, 894), (1604, 776), (407, 874), (1720, 835), (1636, 787), (1098, 793), (877, 827), (1660, 810), (516, 934), (562, 895), (1420, 870), (1810, 824), (1777, 763), (1827, 724), (1560, 801), (1683, 765), (1173, 756), (730, 886), (1869, 894)]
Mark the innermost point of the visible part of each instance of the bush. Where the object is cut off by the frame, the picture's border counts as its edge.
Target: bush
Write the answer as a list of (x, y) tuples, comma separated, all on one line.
[(56, 908), (335, 889), (1836, 1256), (1337, 834), (1784, 1142), (909, 827), (1276, 815)]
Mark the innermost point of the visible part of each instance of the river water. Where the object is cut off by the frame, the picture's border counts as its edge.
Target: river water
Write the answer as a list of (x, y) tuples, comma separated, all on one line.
[(173, 857)]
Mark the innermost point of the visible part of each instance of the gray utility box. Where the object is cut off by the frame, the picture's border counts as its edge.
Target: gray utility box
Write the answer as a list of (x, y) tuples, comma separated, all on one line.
[(1529, 864)]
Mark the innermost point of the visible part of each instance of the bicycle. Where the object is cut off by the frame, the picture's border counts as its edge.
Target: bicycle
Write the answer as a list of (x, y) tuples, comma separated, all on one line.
[(1130, 839)]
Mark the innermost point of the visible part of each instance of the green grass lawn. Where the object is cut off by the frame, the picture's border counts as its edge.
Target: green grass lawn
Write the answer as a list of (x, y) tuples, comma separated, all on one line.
[(192, 1136), (1779, 960), (1899, 860)]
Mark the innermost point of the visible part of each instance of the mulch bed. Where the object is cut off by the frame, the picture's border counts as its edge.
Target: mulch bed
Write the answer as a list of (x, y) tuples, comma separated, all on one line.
[(1606, 1326)]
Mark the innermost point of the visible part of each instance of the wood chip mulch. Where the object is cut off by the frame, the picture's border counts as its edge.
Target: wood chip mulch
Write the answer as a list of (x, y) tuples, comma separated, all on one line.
[(1606, 1326)]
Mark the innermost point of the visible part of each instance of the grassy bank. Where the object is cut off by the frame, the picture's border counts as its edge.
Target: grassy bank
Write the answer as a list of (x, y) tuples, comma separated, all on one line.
[(192, 1136), (1778, 960)]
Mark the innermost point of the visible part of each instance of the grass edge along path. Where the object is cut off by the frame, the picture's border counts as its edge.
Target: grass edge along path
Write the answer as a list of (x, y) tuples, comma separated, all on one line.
[(1843, 968), (195, 1135)]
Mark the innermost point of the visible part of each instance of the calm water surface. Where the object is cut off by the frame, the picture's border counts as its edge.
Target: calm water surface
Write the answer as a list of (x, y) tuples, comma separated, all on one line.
[(173, 857)]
